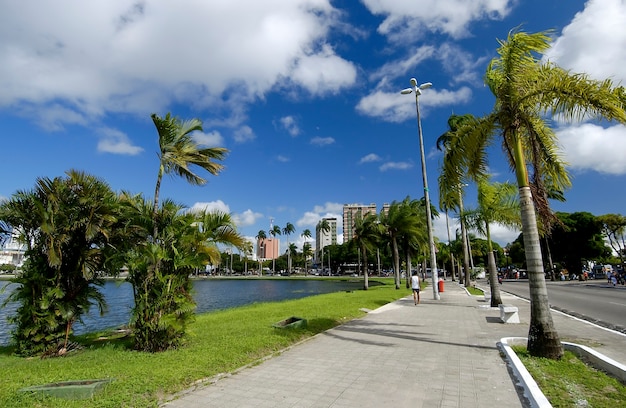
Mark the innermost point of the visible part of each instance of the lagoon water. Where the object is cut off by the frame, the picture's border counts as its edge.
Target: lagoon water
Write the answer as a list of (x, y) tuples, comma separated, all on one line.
[(210, 294)]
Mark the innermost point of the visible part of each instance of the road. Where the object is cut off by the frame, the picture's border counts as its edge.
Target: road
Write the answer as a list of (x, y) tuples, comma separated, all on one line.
[(594, 300)]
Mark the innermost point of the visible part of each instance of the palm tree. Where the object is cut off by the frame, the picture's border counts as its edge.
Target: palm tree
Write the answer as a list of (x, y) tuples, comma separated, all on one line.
[(178, 152), (247, 249), (393, 222), (187, 241), (288, 230), (451, 188), (525, 89), (70, 226), (413, 233), (260, 237), (497, 203), (292, 252), (273, 232), (307, 252), (322, 227), (367, 231)]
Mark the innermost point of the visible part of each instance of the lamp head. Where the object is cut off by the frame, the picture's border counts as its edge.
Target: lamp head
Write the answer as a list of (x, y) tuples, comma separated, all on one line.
[(413, 82), (406, 91), (426, 85)]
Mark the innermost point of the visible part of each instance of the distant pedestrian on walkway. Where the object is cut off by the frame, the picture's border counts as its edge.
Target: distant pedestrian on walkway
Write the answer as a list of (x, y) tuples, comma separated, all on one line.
[(415, 285)]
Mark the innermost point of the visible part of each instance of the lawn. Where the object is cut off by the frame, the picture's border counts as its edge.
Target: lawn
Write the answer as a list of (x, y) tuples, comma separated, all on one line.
[(219, 342)]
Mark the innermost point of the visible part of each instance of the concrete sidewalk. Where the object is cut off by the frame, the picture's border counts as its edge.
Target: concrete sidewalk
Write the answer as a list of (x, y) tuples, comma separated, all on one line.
[(437, 354)]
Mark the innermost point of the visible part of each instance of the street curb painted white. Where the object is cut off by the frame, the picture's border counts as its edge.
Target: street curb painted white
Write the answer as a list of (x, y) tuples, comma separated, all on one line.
[(531, 390)]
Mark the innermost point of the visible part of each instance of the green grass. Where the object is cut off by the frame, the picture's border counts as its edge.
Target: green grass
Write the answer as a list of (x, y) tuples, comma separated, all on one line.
[(475, 292), (220, 342), (569, 382)]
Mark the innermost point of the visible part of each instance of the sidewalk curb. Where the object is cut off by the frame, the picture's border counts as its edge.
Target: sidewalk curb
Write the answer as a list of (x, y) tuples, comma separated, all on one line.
[(531, 390)]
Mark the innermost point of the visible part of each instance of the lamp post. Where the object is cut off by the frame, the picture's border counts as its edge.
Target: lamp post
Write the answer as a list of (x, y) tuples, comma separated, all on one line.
[(431, 241)]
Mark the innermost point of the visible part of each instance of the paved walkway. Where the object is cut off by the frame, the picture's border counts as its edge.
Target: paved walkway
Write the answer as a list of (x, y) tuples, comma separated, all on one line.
[(437, 354)]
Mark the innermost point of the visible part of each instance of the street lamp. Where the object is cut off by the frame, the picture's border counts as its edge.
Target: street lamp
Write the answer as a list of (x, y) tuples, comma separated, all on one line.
[(431, 241)]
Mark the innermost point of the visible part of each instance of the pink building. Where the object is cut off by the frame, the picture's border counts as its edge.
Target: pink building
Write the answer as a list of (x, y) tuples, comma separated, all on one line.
[(268, 248)]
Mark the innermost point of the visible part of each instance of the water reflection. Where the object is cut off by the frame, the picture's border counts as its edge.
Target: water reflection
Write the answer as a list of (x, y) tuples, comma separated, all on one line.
[(210, 294)]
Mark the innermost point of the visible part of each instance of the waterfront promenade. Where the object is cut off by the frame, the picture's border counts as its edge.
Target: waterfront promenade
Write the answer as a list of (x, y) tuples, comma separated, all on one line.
[(437, 354)]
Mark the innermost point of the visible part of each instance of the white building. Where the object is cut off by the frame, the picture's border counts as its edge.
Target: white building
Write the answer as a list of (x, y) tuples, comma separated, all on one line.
[(12, 252)]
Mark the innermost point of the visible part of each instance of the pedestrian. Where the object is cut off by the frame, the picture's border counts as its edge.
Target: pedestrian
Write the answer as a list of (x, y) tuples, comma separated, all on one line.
[(613, 279), (415, 285)]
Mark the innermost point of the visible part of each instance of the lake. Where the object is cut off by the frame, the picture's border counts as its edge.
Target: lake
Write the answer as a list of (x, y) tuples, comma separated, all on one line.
[(210, 294)]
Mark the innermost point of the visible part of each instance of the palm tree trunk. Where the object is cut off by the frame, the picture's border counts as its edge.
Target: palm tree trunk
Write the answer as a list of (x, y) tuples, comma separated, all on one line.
[(496, 298), (155, 209), (396, 261), (543, 339), (365, 277), (408, 269)]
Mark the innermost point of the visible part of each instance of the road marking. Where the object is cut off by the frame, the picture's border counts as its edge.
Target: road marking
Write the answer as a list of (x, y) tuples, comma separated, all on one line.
[(618, 304)]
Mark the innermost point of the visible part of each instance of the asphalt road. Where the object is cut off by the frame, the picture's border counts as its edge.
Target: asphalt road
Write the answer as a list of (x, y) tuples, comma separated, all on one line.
[(594, 300)]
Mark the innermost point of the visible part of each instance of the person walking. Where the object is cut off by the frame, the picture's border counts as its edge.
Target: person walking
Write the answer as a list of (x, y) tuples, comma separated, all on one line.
[(415, 285)]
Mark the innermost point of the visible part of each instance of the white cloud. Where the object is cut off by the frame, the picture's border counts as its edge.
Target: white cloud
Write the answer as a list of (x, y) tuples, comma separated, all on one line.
[(593, 42), (323, 72), (329, 207), (115, 141), (218, 205), (408, 20), (396, 166), (99, 57), (243, 134), (247, 218), (282, 159), (592, 147), (290, 125), (211, 139), (370, 158), (322, 141)]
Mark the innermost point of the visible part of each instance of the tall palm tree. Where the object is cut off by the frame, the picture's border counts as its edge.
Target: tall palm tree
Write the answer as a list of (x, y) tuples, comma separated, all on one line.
[(288, 230), (260, 237), (323, 227), (451, 188), (273, 232), (178, 152), (413, 232), (526, 89), (306, 234), (292, 253), (367, 231), (497, 203)]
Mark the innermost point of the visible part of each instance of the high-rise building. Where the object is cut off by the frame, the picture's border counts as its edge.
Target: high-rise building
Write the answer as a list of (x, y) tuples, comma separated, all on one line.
[(324, 238), (351, 212)]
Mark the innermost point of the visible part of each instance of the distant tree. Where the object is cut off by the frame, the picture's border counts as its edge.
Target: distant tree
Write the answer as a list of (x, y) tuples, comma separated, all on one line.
[(614, 229), (287, 231), (273, 232), (497, 204), (307, 253), (260, 237), (578, 237)]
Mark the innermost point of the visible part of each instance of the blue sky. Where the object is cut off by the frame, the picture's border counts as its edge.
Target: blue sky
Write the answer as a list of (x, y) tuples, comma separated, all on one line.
[(304, 93)]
